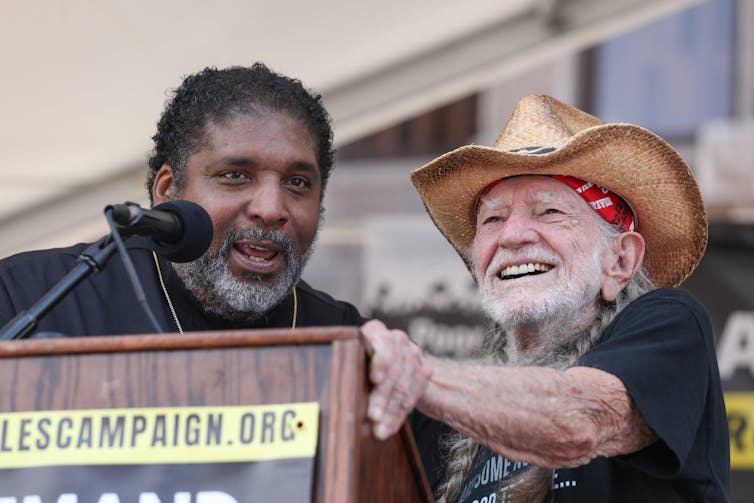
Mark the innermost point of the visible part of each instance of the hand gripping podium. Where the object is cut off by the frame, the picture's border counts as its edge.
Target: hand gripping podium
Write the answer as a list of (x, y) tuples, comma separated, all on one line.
[(204, 417)]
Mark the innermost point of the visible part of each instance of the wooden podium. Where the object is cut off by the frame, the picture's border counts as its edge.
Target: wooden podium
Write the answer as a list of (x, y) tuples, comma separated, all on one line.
[(253, 367)]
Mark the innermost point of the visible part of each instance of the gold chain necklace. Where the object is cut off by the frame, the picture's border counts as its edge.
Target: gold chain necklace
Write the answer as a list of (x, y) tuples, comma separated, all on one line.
[(172, 309)]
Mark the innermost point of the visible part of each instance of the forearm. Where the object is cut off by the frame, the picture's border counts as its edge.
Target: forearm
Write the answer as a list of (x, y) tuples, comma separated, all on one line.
[(547, 417)]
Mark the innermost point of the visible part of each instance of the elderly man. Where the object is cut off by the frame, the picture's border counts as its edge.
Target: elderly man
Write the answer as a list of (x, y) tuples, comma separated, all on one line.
[(254, 148), (600, 382)]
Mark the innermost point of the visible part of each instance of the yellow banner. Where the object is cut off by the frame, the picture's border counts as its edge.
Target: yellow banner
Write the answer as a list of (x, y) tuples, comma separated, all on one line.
[(158, 435), (740, 408)]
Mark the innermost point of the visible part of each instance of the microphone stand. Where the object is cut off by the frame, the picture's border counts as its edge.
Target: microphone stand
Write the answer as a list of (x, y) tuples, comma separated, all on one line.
[(93, 259)]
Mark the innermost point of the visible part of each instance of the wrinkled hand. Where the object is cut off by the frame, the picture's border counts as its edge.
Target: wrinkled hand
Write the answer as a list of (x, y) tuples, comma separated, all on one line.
[(398, 374)]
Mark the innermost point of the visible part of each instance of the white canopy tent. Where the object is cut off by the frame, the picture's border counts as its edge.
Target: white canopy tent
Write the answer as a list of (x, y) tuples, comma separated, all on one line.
[(84, 81)]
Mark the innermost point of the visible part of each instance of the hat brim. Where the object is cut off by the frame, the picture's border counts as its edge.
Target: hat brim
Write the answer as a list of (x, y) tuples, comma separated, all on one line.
[(631, 161)]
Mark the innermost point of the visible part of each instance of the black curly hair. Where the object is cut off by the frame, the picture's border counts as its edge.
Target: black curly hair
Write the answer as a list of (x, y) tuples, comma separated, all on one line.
[(213, 95)]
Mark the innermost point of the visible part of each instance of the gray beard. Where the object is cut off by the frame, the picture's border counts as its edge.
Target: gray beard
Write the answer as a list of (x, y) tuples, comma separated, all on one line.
[(555, 306), (561, 352), (556, 311), (222, 294)]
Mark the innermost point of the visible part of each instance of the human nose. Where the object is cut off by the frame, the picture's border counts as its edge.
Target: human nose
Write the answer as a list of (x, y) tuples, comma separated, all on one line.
[(267, 205), (517, 232)]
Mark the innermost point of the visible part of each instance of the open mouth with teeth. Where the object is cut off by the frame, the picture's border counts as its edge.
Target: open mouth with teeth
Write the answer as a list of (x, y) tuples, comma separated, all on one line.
[(260, 259), (518, 271), (257, 253)]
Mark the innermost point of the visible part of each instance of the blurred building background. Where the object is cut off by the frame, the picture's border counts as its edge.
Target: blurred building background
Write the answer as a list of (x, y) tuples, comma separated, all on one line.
[(84, 83)]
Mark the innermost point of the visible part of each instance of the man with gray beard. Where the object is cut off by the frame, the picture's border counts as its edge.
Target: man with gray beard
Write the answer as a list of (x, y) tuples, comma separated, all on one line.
[(600, 381), (254, 149)]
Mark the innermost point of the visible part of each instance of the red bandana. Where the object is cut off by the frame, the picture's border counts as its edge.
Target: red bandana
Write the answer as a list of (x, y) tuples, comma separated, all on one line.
[(609, 205)]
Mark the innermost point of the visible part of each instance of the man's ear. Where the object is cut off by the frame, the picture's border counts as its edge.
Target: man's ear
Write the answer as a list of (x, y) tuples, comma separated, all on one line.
[(624, 260), (163, 188)]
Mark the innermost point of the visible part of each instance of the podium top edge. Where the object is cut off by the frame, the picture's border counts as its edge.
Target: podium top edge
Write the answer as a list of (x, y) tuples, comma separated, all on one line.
[(174, 341)]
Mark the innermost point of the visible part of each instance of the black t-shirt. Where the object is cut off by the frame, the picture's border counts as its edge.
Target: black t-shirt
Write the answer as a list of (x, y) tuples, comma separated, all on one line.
[(430, 436), (488, 471), (105, 303), (661, 347)]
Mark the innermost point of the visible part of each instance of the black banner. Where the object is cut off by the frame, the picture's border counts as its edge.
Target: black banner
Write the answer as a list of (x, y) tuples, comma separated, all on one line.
[(279, 481)]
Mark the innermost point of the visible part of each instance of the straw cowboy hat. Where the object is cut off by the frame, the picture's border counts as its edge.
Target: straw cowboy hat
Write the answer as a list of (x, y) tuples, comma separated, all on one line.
[(631, 161)]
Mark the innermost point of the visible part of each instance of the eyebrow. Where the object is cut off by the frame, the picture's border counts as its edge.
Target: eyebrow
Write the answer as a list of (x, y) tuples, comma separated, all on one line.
[(239, 162), (305, 166), (245, 162)]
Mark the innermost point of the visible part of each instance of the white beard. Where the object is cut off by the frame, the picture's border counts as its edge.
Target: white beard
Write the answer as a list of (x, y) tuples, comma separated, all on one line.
[(555, 312)]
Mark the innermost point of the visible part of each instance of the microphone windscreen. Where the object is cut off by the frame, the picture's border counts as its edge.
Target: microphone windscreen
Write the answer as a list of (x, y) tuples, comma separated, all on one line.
[(196, 234)]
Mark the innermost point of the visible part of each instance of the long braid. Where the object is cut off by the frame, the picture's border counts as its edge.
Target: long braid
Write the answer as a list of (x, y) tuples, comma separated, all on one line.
[(460, 456)]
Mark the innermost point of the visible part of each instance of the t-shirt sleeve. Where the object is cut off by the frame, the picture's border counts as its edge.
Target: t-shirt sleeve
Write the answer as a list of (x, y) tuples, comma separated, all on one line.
[(658, 347)]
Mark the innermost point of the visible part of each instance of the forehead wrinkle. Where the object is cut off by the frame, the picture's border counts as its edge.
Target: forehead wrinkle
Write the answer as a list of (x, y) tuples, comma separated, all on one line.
[(537, 196), (563, 195)]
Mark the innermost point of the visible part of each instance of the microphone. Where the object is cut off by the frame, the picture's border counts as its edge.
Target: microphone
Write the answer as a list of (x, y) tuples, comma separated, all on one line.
[(179, 230)]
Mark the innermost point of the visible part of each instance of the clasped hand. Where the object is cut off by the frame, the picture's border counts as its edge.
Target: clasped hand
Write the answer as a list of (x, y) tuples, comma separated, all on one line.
[(399, 376)]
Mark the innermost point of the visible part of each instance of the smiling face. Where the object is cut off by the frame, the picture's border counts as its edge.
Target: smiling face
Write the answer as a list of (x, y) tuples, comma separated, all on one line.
[(257, 177), (538, 254)]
